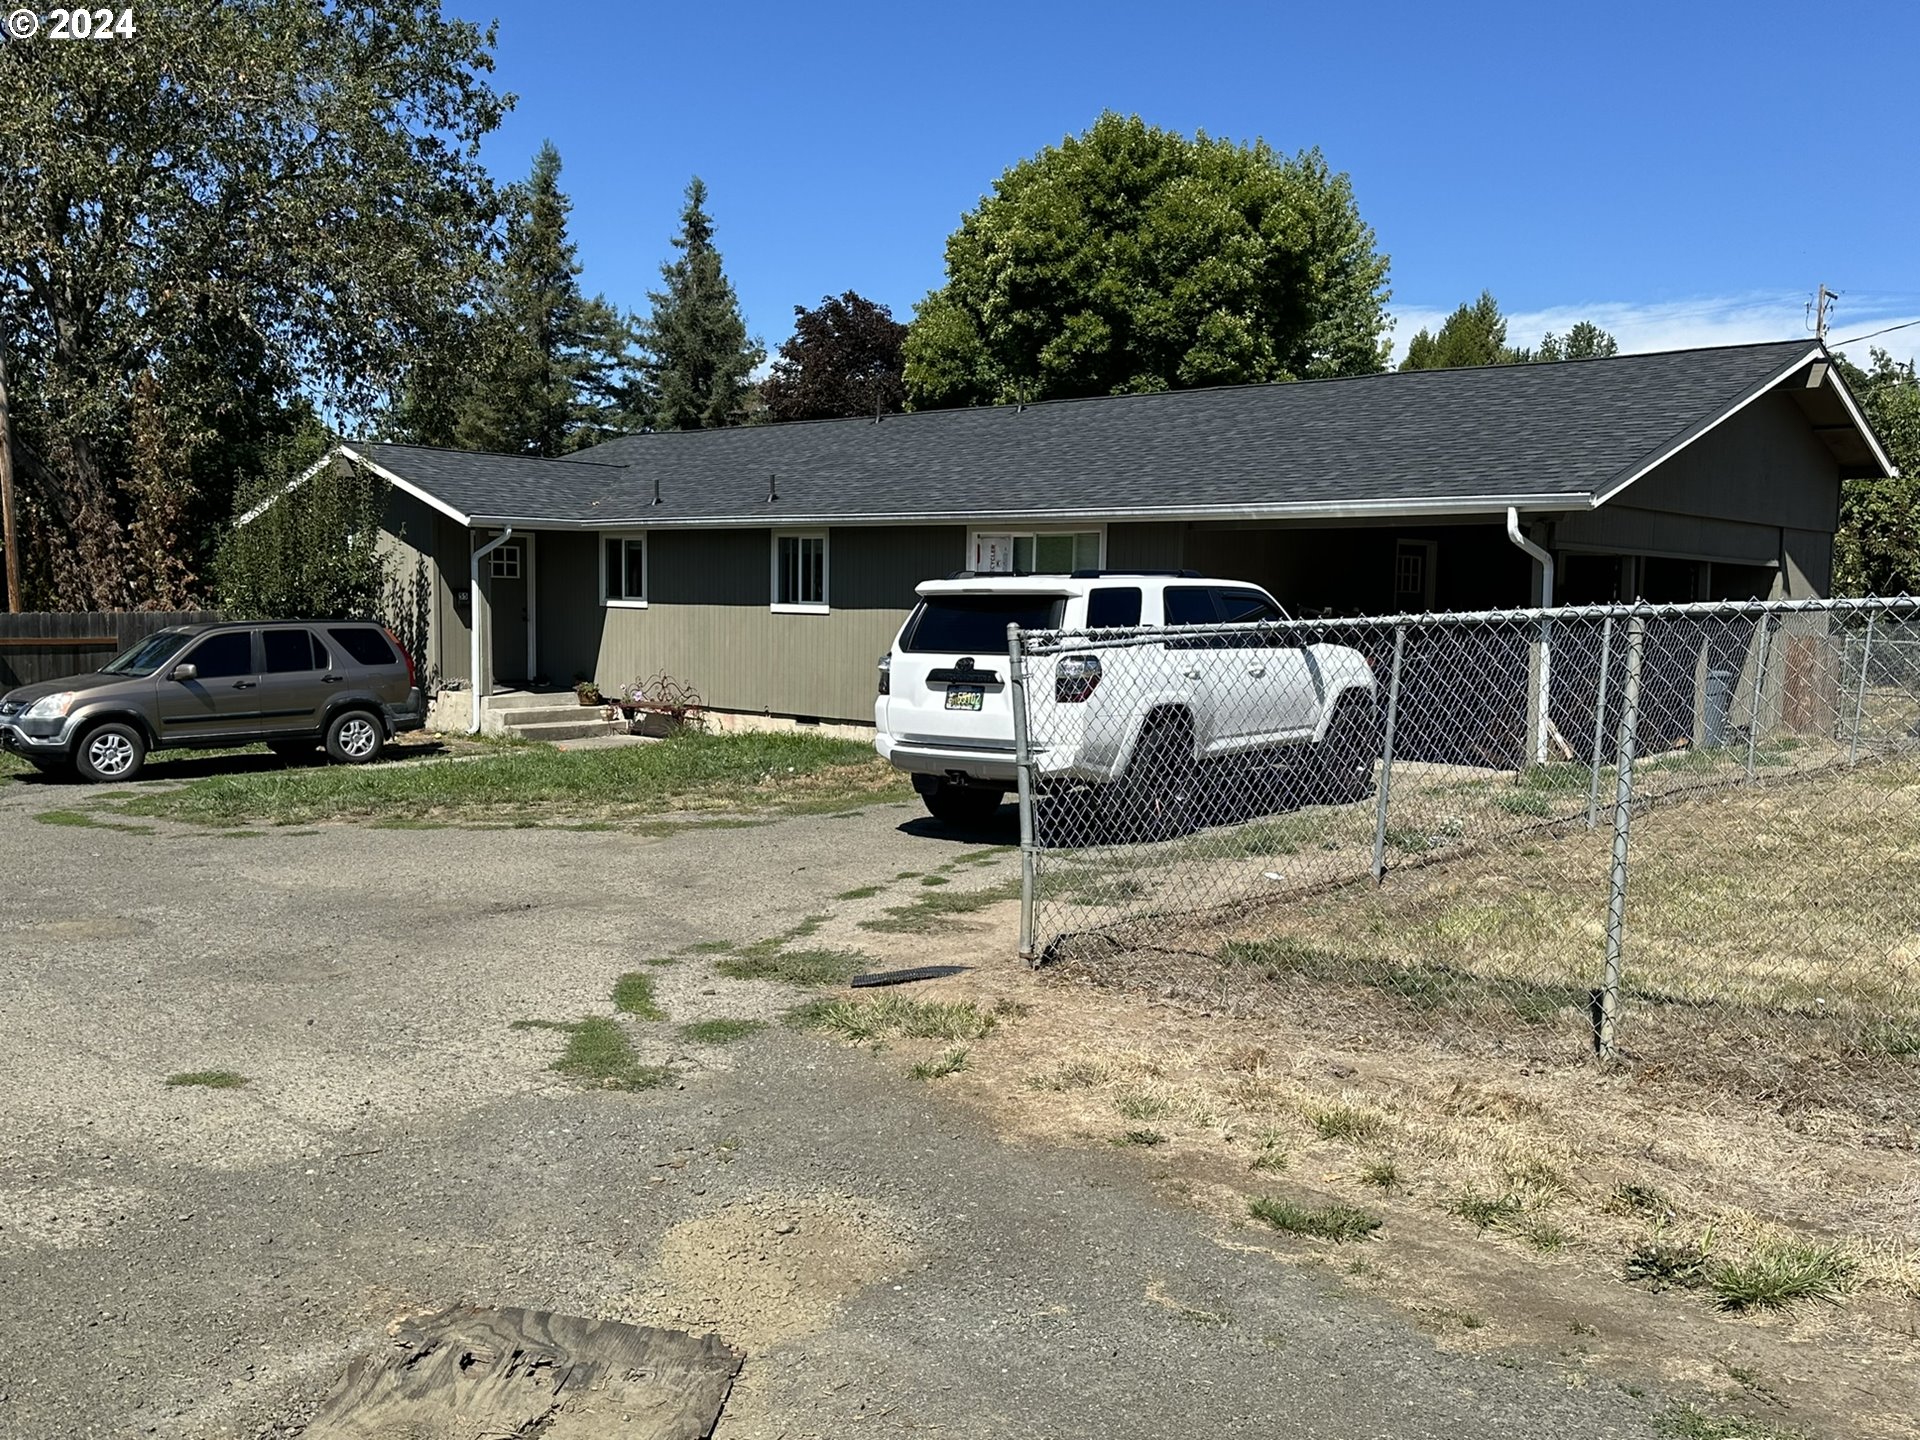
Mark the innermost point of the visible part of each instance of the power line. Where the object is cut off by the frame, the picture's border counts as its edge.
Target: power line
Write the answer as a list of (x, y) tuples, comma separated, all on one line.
[(1872, 334)]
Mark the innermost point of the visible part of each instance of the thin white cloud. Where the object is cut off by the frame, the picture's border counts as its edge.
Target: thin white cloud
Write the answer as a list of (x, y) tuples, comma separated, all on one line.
[(1707, 320)]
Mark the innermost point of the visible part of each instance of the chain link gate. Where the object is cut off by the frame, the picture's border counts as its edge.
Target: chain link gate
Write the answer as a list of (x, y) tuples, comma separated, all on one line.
[(1686, 830)]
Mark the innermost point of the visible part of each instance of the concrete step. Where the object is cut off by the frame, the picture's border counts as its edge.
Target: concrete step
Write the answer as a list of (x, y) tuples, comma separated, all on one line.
[(543, 714), (550, 730), (531, 700)]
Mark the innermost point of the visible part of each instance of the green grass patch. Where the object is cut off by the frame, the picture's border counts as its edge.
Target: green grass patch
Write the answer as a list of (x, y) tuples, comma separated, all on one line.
[(1485, 1212), (209, 1079), (929, 911), (1145, 1138), (719, 1032), (1345, 1122), (859, 892), (1685, 1422), (1667, 1265), (599, 1054), (808, 968), (935, 880), (87, 820), (633, 995), (1381, 1174), (862, 1020), (1525, 802), (1322, 1222), (1774, 1276), (941, 1066), (780, 773), (710, 947)]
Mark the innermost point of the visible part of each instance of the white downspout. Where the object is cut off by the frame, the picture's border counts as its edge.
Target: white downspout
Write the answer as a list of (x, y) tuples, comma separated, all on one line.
[(473, 638), (1545, 559)]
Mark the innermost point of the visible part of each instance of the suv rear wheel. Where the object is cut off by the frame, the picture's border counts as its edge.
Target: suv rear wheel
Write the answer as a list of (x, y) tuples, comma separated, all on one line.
[(964, 806), (1157, 798), (1343, 760), (353, 737), (113, 751)]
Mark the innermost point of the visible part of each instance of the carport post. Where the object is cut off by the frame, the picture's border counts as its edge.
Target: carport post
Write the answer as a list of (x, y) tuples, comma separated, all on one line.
[(1762, 643), (1023, 775), (1622, 826), (1600, 722), (1386, 760)]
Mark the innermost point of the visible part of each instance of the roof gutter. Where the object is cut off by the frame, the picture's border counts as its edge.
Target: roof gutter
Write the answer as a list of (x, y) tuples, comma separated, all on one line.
[(473, 627), (1478, 505)]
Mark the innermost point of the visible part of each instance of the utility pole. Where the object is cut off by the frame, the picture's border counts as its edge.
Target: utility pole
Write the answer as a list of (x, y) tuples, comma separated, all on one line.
[(9, 531), (1823, 302)]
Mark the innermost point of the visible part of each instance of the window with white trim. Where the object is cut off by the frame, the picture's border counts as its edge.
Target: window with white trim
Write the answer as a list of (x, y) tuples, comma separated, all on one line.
[(506, 562), (800, 570), (623, 570), (1044, 552)]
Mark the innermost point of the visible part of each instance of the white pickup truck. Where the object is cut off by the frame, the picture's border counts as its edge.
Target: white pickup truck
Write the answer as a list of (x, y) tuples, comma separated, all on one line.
[(1140, 722)]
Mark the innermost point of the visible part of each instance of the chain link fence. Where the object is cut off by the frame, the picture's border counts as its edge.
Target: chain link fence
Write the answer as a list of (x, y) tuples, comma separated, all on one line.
[(1685, 832)]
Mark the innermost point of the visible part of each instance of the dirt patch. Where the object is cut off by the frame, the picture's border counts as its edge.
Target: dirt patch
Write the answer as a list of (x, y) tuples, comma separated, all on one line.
[(762, 1272)]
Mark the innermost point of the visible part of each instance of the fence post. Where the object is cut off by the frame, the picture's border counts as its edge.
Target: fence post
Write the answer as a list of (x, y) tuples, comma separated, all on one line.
[(1622, 825), (1763, 642), (1386, 762), (1600, 722), (1023, 774), (1860, 693)]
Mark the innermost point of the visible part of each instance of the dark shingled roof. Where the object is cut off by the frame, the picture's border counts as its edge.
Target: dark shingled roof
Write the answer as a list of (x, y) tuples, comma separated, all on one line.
[(1544, 435)]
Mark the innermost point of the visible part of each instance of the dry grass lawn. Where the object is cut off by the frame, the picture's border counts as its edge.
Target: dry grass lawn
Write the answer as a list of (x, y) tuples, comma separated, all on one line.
[(1728, 1217)]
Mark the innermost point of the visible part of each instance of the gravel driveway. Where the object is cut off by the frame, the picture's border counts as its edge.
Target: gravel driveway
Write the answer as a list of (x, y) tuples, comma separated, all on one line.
[(193, 1262)]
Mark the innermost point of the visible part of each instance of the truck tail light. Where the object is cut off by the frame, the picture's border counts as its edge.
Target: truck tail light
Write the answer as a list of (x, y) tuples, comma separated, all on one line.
[(886, 673), (1075, 678)]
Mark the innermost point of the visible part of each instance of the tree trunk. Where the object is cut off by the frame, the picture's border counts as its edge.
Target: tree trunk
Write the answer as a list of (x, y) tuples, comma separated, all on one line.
[(9, 529)]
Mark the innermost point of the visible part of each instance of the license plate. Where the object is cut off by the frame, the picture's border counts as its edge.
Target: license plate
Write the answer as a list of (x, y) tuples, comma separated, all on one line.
[(966, 697)]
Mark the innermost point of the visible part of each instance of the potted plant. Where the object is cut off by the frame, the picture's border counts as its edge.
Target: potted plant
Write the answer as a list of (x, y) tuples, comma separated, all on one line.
[(588, 693)]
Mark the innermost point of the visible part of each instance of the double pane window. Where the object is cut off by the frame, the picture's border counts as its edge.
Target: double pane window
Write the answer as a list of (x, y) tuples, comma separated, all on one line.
[(624, 568), (800, 570)]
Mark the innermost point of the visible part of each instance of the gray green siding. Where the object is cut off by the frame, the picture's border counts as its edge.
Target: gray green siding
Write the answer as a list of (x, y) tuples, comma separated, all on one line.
[(426, 556), (709, 622)]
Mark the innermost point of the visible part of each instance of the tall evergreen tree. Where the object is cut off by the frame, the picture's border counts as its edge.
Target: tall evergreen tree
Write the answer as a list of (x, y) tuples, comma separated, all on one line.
[(1585, 341), (538, 368), (700, 356), (1474, 334)]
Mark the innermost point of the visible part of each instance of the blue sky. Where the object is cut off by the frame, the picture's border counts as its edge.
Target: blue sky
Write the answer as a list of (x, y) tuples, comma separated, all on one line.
[(1683, 173)]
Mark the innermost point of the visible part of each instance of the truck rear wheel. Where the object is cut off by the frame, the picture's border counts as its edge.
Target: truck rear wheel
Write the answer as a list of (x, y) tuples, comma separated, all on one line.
[(966, 807)]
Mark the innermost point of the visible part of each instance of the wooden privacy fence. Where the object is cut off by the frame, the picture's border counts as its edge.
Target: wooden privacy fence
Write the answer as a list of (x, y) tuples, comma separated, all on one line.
[(44, 645)]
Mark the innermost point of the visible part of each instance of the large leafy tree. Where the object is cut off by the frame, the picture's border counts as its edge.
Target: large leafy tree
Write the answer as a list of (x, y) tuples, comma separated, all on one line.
[(250, 207), (845, 358), (700, 358), (1877, 550), (1132, 258), (538, 367)]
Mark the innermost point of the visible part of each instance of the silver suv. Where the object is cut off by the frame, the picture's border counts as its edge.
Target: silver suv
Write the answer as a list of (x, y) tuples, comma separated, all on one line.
[(293, 685)]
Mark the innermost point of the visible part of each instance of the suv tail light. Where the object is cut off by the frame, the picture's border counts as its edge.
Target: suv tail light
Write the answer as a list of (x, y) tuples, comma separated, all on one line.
[(1075, 678), (886, 673), (406, 654)]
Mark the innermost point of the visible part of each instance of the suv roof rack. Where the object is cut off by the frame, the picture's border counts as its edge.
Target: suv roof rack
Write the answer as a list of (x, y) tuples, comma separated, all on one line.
[(1069, 574), (1104, 574)]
